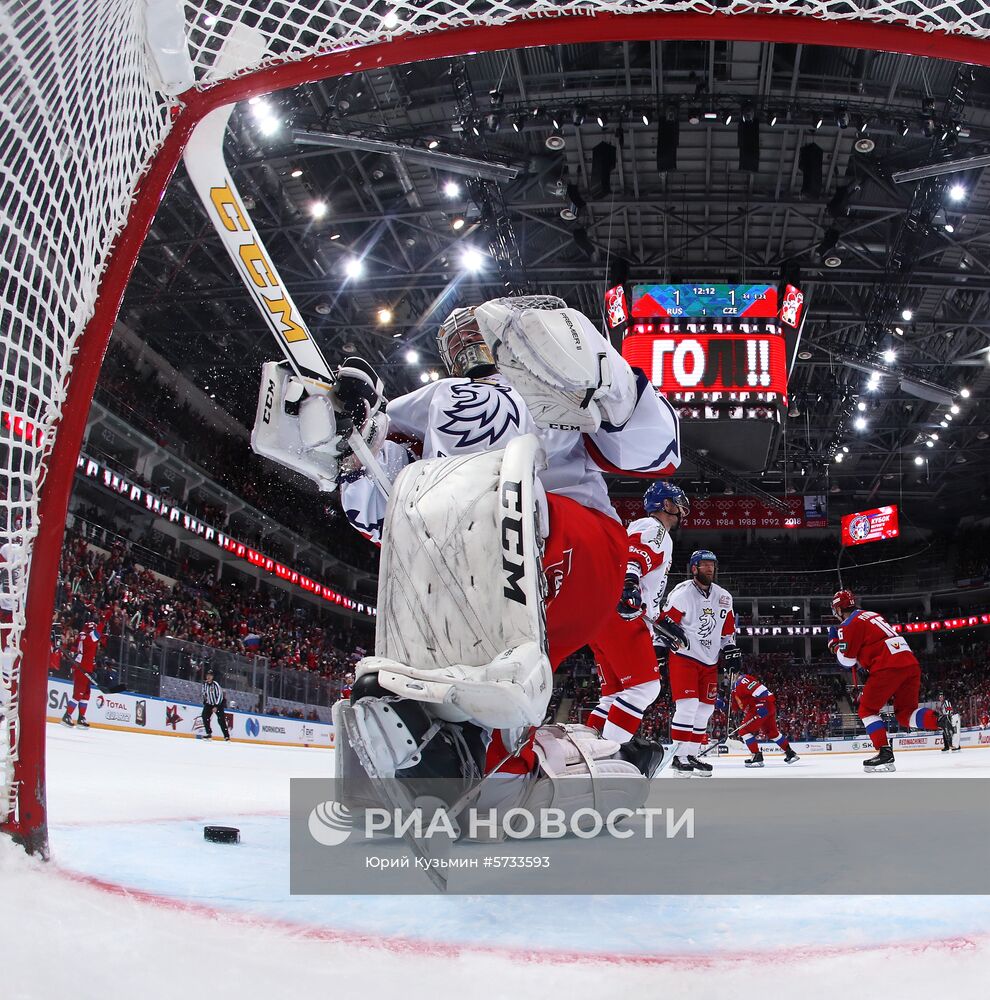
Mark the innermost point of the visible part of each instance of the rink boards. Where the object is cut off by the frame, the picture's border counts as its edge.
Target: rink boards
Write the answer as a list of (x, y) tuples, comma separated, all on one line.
[(140, 713), (164, 716)]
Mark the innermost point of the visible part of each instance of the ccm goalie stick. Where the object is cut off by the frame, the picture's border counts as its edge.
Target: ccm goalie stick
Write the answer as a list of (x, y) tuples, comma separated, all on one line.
[(208, 172)]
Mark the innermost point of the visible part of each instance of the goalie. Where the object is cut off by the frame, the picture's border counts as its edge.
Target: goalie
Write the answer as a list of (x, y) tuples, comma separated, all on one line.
[(501, 553)]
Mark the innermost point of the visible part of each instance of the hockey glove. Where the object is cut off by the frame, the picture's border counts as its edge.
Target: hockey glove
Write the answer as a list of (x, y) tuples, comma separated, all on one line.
[(720, 704), (732, 656), (671, 633), (631, 604), (358, 392), (762, 711)]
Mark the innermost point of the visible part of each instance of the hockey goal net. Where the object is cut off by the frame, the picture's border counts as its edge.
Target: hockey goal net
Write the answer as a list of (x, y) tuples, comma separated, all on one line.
[(96, 101)]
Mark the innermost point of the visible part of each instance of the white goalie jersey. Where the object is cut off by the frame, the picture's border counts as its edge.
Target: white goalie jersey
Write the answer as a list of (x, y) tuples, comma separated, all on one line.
[(461, 416), (650, 551)]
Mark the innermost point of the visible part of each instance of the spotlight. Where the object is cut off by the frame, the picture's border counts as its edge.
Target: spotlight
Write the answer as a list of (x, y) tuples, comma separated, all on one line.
[(496, 98), (748, 114), (935, 435), (518, 123), (861, 406), (354, 267), (318, 209), (710, 116), (860, 424), (433, 143), (918, 460), (457, 223), (889, 356), (819, 122), (773, 119), (949, 227), (845, 449), (907, 315), (928, 105), (296, 173), (384, 316), (929, 444), (452, 189), (839, 456), (864, 124), (957, 192), (903, 128), (949, 415), (412, 357), (472, 261), (578, 115), (728, 118), (646, 118), (555, 120), (433, 376), (965, 393), (694, 116), (953, 409), (841, 117), (602, 120), (943, 423), (423, 377), (335, 236)]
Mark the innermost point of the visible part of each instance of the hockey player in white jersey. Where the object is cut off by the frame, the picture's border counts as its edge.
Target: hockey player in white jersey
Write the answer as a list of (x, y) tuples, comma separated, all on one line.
[(631, 682), (501, 553), (703, 610)]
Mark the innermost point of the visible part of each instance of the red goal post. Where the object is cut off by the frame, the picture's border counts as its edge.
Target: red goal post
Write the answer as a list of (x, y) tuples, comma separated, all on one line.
[(97, 100)]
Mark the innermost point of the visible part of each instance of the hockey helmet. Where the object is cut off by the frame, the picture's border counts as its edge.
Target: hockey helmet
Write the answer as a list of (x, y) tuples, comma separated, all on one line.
[(661, 491), (462, 348), (701, 555), (842, 603)]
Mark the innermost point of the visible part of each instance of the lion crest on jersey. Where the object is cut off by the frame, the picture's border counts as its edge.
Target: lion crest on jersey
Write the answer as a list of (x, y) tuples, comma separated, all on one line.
[(481, 413), (706, 622)]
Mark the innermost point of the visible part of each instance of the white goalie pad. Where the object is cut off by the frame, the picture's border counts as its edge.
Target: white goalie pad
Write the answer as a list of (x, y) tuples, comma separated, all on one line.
[(558, 362), (306, 440), (578, 770), (461, 618)]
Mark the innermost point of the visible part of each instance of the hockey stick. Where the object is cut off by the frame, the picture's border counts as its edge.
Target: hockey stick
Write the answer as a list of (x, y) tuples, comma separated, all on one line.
[(725, 739), (208, 172)]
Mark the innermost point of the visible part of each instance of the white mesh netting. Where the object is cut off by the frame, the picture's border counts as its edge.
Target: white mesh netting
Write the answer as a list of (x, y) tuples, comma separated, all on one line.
[(80, 122)]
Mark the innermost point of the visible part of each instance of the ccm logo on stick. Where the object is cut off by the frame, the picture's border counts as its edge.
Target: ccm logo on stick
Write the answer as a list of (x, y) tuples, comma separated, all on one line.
[(513, 564)]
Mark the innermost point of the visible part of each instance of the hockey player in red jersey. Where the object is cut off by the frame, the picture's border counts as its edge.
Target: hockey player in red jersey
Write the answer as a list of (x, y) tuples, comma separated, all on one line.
[(83, 666), (759, 708), (700, 625), (865, 638), (631, 682)]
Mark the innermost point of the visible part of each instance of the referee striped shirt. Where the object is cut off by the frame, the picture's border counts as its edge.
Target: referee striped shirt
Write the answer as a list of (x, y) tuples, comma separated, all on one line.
[(212, 693)]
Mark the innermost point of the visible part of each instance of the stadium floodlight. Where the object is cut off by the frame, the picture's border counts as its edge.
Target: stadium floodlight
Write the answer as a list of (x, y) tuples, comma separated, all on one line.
[(957, 192), (318, 209), (953, 409), (860, 423), (890, 356), (472, 260), (918, 460), (354, 267), (384, 315), (412, 357), (907, 315), (964, 392)]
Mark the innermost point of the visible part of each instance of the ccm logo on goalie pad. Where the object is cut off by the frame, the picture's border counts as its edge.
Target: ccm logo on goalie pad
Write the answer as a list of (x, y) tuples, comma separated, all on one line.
[(513, 564)]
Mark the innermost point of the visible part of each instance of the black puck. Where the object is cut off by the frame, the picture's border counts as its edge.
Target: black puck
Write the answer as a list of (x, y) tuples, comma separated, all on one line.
[(222, 834)]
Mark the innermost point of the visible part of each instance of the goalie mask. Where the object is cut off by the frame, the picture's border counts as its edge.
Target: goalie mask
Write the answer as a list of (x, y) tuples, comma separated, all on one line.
[(462, 348)]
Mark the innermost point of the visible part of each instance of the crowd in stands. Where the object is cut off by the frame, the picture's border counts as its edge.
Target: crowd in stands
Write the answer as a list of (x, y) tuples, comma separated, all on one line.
[(153, 408), (110, 588)]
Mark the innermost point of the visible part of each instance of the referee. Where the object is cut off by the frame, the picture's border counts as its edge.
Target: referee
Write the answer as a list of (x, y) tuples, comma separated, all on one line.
[(213, 701)]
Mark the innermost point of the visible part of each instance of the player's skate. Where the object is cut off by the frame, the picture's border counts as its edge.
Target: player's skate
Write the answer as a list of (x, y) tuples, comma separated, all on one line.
[(790, 756), (884, 761), (702, 768), (67, 720), (82, 723), (756, 760), (646, 755), (682, 767), (954, 749)]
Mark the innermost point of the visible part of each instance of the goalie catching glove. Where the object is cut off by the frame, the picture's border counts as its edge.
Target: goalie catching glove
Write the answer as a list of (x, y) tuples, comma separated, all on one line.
[(558, 362), (305, 426)]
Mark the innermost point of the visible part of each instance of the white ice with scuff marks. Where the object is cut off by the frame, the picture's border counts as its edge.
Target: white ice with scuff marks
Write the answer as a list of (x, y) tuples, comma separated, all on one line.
[(129, 809)]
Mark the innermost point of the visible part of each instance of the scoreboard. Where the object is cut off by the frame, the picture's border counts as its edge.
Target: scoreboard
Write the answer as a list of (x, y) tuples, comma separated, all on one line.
[(699, 300), (721, 355)]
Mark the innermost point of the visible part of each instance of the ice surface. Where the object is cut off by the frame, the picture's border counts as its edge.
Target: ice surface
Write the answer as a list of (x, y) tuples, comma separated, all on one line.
[(128, 810)]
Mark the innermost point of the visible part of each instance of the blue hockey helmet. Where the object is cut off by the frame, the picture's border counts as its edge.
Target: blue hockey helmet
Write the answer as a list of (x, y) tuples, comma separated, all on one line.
[(700, 555), (654, 497)]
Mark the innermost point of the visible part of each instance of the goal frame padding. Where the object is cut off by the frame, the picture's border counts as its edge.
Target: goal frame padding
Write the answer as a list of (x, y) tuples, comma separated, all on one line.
[(29, 826)]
